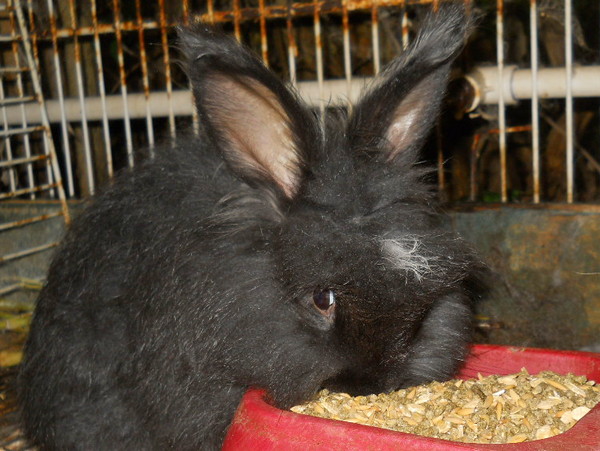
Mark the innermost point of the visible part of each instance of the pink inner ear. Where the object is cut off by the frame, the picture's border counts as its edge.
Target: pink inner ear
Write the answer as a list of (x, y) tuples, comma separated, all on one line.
[(256, 129), (412, 117), (399, 132)]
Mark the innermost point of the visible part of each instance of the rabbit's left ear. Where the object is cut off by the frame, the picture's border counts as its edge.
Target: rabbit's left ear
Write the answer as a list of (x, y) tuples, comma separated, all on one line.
[(397, 113), (262, 130)]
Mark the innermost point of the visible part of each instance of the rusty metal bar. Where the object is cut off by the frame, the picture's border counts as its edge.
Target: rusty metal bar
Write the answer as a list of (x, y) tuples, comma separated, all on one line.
[(144, 67), (20, 130), (375, 38), (264, 46), (12, 183), (347, 59), (34, 250), (473, 159), (167, 63), (535, 113), (66, 147), (302, 9), (237, 20), (210, 11), (12, 70), (15, 100), (569, 100), (292, 47), (440, 158), (102, 90), (501, 103), (186, 21), (248, 14), (35, 189), (87, 148), (16, 161), (405, 29), (123, 81), (319, 56), (36, 62), (32, 220)]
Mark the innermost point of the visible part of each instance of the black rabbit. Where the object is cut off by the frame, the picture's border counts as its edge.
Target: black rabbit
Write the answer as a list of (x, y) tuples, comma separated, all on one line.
[(273, 251)]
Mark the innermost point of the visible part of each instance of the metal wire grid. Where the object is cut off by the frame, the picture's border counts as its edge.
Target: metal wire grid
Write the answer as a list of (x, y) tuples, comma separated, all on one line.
[(28, 160), (112, 84)]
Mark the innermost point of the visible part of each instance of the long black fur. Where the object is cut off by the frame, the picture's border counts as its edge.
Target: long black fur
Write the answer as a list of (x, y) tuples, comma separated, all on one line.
[(191, 278)]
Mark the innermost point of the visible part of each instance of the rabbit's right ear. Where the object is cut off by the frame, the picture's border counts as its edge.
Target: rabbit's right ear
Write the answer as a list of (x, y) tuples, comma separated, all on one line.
[(262, 129), (395, 115)]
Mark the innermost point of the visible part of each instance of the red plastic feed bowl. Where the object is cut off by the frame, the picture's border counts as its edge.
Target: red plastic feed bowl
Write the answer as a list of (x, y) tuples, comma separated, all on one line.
[(259, 426)]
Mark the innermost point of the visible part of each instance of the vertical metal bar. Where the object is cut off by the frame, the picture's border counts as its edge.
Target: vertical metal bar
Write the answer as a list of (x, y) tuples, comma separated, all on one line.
[(195, 119), (35, 56), (440, 158), (144, 67), (347, 59), (569, 98), (102, 91), (405, 26), (292, 46), (21, 93), (237, 14), (12, 182), (535, 119), (89, 165), (468, 7), (123, 80), (167, 63), (185, 6), (264, 47), (61, 101), (375, 37), (33, 34), (319, 58), (501, 103), (473, 157), (211, 11)]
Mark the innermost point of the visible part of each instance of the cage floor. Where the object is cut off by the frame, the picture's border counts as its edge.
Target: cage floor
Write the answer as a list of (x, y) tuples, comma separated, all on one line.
[(11, 436)]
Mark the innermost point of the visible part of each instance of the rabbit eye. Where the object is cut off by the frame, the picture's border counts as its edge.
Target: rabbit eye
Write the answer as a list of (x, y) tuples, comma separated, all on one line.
[(324, 299)]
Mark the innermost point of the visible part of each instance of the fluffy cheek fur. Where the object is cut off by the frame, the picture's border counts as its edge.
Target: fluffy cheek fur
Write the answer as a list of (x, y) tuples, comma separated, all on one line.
[(439, 346)]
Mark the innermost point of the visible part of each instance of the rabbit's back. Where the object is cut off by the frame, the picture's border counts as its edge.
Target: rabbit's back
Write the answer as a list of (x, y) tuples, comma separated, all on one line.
[(94, 336)]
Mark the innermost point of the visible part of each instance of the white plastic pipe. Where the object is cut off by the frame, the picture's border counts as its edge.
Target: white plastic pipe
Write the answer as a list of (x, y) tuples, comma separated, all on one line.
[(517, 85)]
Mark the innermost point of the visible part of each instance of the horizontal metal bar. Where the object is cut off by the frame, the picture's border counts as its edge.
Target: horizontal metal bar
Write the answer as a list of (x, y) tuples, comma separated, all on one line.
[(17, 161), (26, 252), (35, 189), (10, 289), (33, 220), (12, 70), (297, 9), (21, 130), (9, 38), (16, 100)]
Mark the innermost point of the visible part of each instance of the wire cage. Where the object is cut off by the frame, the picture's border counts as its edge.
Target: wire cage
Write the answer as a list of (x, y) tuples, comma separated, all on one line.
[(84, 85), (522, 122)]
